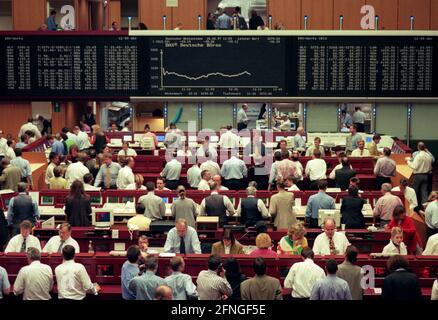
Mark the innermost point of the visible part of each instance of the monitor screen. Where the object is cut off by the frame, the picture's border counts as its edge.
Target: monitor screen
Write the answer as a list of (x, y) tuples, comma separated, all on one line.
[(7, 202), (368, 139), (47, 200), (160, 138), (165, 199), (293, 126), (279, 138), (104, 216), (127, 199), (112, 200), (96, 200)]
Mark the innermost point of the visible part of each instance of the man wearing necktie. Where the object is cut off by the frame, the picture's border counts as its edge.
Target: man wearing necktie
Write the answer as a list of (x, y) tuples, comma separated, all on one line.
[(108, 173), (57, 243), (24, 240), (182, 239), (182, 246)]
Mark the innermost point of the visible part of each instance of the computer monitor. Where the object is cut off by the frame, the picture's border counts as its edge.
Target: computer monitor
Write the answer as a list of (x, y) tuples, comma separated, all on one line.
[(47, 200), (293, 126), (160, 138), (279, 138), (112, 200), (127, 199), (165, 199), (324, 214), (368, 139), (7, 201), (96, 200), (102, 218)]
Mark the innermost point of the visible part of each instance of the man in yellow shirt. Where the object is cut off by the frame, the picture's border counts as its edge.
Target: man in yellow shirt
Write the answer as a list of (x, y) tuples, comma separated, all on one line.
[(372, 146), (139, 220)]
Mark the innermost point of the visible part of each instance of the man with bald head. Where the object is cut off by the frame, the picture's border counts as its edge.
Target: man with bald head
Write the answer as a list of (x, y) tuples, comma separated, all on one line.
[(218, 180), (182, 239), (421, 165), (386, 204), (163, 293), (299, 142), (330, 242)]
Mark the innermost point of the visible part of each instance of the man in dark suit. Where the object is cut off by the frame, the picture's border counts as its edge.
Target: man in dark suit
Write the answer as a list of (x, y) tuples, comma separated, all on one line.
[(344, 174), (400, 284)]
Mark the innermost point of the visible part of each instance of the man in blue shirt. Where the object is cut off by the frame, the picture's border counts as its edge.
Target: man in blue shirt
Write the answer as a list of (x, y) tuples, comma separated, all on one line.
[(51, 23), (58, 146), (182, 285), (144, 286), (129, 271), (24, 166), (182, 239), (331, 287), (224, 21), (321, 200)]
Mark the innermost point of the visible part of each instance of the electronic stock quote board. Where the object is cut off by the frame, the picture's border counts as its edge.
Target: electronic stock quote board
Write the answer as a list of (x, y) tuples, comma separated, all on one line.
[(165, 65)]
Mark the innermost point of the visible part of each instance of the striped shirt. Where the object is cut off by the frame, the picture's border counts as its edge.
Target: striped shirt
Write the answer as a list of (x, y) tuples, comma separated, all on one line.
[(211, 286)]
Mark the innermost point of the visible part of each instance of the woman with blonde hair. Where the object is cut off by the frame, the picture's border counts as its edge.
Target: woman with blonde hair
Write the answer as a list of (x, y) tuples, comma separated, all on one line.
[(264, 245), (294, 242), (396, 244), (98, 139)]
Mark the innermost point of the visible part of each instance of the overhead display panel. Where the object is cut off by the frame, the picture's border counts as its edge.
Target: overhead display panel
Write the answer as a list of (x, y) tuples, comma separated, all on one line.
[(218, 65)]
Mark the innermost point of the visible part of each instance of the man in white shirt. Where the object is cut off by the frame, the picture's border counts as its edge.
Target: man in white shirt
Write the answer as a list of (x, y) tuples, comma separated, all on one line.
[(23, 241), (302, 276), (88, 183), (330, 242), (361, 151), (172, 173), (201, 152), (421, 166), (126, 151), (359, 119), (34, 281), (242, 118), (431, 246), (126, 176), (194, 175), (82, 139), (10, 153), (229, 140), (77, 170), (57, 243), (332, 174), (73, 281), (316, 170), (234, 171), (3, 145), (127, 127), (29, 126), (204, 184), (210, 165), (408, 192)]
